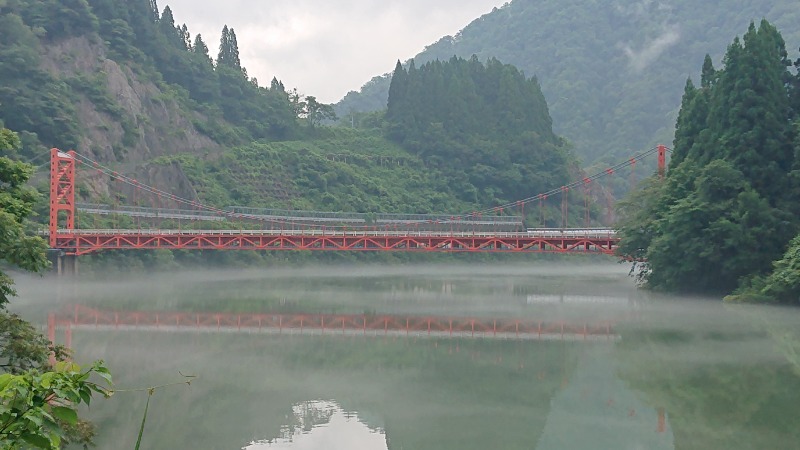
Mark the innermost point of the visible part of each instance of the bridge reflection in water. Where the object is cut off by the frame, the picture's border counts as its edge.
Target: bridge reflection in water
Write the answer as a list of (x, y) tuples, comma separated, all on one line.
[(82, 317)]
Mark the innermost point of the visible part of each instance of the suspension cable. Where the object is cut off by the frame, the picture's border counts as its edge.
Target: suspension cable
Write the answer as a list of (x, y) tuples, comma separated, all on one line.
[(453, 219)]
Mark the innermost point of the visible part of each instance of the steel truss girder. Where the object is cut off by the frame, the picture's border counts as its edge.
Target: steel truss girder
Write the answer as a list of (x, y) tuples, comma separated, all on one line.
[(81, 243)]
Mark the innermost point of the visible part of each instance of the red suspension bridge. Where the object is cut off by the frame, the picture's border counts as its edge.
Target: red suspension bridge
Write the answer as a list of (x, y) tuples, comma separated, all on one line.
[(496, 229)]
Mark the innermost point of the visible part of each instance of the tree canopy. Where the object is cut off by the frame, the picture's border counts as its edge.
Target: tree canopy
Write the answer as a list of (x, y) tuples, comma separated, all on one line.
[(487, 125), (16, 205), (723, 214), (37, 402)]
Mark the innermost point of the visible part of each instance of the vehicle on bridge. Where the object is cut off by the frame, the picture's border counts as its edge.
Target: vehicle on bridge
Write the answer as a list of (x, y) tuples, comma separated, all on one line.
[(571, 232)]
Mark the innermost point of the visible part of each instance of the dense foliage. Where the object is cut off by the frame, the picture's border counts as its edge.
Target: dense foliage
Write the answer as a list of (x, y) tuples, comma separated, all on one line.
[(31, 99), (612, 72), (41, 101), (727, 208), (16, 204), (38, 410), (486, 126), (783, 284), (37, 402), (344, 171)]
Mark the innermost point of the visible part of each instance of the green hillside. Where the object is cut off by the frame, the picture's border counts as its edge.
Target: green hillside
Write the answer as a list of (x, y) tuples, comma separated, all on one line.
[(346, 171), (122, 81), (612, 72), (125, 84)]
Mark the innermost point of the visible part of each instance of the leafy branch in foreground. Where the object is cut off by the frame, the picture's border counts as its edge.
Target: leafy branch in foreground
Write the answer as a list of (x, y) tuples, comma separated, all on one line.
[(36, 408)]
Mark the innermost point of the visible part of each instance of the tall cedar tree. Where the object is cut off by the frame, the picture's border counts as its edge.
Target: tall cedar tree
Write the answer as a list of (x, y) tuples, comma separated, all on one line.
[(228, 50), (750, 111)]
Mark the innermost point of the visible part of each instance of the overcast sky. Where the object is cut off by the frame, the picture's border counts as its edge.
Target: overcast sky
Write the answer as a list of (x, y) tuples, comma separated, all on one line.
[(326, 48)]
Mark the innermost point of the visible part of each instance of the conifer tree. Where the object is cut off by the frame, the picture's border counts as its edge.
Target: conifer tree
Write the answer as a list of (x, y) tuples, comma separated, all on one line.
[(203, 84), (154, 10), (223, 56), (397, 90), (234, 51), (229, 50), (794, 90), (170, 31), (167, 18), (200, 48), (686, 132), (277, 86), (691, 127), (708, 75), (748, 114), (398, 109), (186, 36)]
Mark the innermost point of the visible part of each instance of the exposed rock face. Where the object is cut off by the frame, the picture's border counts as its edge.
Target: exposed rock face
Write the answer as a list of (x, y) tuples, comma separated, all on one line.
[(168, 178), (138, 123)]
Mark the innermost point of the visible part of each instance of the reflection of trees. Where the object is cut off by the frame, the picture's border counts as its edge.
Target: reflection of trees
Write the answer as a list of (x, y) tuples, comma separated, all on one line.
[(426, 393), (465, 394), (782, 325), (788, 342), (307, 416), (720, 389), (481, 395)]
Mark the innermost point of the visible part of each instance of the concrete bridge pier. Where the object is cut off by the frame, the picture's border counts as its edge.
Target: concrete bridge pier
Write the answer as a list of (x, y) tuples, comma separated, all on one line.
[(64, 264)]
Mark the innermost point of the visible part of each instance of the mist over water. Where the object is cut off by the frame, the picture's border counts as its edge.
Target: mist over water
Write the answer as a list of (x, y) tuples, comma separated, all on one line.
[(672, 373)]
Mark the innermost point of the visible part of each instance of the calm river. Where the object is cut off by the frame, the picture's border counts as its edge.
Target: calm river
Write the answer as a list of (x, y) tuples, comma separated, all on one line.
[(651, 372)]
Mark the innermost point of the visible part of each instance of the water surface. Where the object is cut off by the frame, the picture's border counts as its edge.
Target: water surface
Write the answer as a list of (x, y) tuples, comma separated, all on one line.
[(679, 373)]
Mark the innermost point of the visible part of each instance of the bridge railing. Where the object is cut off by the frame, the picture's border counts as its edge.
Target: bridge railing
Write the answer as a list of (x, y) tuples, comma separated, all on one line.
[(156, 213), (285, 217), (542, 233), (572, 232)]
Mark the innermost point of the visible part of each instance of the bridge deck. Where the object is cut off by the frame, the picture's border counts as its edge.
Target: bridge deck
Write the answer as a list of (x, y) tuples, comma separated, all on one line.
[(601, 241)]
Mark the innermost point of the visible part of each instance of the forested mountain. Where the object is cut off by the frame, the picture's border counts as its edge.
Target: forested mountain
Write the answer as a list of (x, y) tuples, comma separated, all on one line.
[(122, 82), (612, 72), (440, 156), (728, 207)]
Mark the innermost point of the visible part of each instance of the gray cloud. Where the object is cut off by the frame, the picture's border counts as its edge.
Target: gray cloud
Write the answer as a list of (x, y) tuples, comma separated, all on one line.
[(648, 14), (326, 48), (651, 50)]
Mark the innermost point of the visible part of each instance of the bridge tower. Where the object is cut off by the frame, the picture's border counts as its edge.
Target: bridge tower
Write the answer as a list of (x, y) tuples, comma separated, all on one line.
[(62, 198), (62, 190), (662, 160)]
